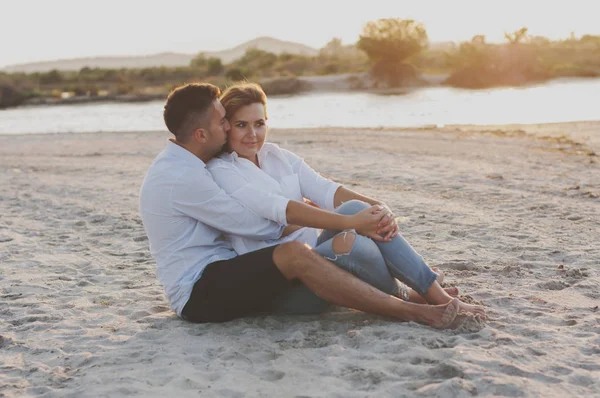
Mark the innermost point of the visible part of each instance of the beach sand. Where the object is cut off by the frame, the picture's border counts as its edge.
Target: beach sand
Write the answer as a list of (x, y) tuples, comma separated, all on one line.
[(511, 217)]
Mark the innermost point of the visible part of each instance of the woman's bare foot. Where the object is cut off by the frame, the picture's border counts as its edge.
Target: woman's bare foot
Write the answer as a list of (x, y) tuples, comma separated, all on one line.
[(439, 316), (415, 297)]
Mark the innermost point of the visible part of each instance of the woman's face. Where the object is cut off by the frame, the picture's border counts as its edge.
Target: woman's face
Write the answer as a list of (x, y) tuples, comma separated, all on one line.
[(248, 130)]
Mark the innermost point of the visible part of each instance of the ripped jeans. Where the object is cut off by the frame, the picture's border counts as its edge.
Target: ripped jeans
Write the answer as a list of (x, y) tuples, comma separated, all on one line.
[(380, 264)]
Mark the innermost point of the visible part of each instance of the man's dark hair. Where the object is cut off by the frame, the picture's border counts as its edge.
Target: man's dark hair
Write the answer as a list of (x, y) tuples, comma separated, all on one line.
[(187, 106)]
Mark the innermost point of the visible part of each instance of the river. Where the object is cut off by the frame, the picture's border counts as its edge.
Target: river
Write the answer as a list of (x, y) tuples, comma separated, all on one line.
[(557, 101)]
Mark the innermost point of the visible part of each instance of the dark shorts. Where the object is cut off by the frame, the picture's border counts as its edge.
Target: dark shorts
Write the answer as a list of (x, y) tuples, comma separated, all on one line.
[(229, 289)]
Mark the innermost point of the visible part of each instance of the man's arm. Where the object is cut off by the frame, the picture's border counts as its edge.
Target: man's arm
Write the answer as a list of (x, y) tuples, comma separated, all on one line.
[(197, 195)]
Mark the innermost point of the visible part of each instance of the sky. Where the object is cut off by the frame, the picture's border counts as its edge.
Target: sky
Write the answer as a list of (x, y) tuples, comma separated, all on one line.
[(40, 30)]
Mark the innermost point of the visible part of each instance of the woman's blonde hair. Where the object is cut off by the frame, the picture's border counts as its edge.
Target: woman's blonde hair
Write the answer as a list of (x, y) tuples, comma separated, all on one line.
[(242, 94)]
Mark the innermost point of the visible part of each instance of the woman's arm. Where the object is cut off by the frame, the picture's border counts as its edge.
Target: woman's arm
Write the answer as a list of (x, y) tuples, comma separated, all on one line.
[(269, 205), (328, 194), (344, 194), (365, 222), (388, 226)]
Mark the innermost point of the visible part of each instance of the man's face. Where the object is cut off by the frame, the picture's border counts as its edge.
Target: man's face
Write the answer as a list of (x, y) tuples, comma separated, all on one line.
[(218, 130)]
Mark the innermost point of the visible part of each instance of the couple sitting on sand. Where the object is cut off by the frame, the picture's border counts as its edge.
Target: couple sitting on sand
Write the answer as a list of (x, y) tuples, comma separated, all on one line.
[(239, 226)]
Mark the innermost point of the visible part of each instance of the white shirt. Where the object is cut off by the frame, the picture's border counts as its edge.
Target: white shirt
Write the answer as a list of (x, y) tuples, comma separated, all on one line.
[(185, 214), (281, 173)]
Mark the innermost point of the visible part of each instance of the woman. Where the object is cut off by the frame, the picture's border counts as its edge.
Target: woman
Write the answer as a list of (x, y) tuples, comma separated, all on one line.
[(252, 163)]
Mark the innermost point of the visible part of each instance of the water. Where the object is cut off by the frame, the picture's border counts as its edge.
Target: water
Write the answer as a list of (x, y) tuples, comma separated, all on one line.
[(558, 101)]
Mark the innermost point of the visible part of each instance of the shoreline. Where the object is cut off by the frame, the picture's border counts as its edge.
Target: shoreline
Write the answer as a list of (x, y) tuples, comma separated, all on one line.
[(585, 133)]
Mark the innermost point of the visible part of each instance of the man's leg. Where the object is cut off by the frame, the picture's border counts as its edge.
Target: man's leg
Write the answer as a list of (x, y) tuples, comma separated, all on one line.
[(297, 261), (241, 286)]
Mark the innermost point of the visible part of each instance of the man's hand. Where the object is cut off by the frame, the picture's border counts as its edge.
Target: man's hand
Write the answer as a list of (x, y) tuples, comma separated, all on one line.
[(289, 229), (310, 202), (388, 226)]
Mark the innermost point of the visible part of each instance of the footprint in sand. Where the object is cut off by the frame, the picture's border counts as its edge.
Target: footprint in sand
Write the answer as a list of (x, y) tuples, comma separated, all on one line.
[(553, 285), (96, 219), (445, 371), (438, 342), (271, 375)]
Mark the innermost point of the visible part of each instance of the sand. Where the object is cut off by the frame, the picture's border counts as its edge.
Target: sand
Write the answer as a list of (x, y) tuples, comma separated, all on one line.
[(512, 218)]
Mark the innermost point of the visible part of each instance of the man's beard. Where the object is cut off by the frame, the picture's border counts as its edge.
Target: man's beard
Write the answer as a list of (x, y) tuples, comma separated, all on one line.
[(224, 148)]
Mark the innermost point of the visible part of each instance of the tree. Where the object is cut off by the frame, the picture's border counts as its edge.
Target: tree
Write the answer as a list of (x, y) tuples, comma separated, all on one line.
[(517, 36), (215, 66), (51, 77), (393, 39), (388, 43), (236, 74), (474, 54), (10, 95), (333, 49), (256, 59), (211, 66), (199, 61)]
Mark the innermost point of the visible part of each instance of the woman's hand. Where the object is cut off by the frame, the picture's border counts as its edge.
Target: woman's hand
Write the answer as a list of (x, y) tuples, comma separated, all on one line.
[(367, 222), (388, 226)]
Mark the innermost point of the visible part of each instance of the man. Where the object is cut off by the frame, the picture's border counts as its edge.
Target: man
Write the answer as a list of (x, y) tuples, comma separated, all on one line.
[(185, 214)]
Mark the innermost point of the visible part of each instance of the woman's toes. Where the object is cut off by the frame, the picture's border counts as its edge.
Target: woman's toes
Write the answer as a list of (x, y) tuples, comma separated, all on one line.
[(453, 291)]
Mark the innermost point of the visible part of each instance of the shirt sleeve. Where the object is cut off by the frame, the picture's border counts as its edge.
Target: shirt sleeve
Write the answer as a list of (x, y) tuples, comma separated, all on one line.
[(313, 185), (263, 203), (197, 195)]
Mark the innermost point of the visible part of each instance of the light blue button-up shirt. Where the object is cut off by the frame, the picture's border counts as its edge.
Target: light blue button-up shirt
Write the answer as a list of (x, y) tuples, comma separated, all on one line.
[(185, 214)]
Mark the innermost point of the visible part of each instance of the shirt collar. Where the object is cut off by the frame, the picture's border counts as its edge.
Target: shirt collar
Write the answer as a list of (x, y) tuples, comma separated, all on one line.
[(264, 151), (182, 153), (233, 156), (230, 157)]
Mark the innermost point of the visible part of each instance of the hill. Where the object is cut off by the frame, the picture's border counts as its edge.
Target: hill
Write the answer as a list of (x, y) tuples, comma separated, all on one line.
[(170, 59)]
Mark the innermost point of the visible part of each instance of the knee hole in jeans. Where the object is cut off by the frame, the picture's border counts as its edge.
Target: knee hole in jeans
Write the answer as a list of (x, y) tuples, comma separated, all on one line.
[(342, 243)]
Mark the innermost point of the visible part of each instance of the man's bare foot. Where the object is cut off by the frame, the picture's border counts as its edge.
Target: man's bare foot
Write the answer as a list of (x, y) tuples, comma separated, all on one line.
[(473, 309), (415, 297), (440, 273), (439, 316)]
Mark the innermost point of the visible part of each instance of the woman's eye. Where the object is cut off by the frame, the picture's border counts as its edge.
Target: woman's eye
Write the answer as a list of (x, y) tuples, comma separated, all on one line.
[(239, 125), (261, 123)]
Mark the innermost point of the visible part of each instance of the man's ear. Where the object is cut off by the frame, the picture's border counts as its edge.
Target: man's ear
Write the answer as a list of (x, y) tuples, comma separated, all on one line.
[(200, 135)]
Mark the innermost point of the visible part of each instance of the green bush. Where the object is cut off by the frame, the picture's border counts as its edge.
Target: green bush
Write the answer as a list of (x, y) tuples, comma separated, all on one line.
[(281, 86), (214, 66), (388, 43), (236, 74), (51, 77), (10, 95)]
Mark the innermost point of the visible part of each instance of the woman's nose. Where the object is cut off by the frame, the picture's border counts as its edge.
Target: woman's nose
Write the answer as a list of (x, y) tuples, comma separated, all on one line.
[(251, 132)]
